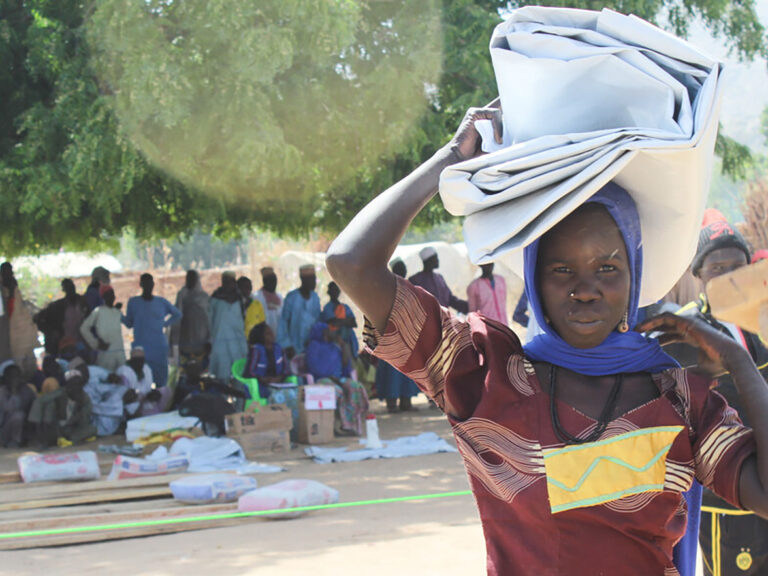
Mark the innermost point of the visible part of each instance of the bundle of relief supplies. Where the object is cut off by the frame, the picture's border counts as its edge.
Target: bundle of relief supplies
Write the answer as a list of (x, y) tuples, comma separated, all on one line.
[(54, 467), (212, 488), (287, 494)]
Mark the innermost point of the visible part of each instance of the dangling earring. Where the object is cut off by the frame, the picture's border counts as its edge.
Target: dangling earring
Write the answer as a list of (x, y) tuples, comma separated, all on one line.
[(624, 324)]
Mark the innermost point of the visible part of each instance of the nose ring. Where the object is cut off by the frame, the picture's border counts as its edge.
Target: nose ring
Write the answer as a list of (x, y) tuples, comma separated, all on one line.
[(572, 294)]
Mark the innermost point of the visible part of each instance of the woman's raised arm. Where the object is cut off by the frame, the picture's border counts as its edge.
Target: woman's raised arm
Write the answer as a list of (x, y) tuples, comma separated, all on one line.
[(357, 259)]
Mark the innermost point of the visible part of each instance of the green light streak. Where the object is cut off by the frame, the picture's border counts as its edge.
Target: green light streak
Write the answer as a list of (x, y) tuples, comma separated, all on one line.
[(164, 521)]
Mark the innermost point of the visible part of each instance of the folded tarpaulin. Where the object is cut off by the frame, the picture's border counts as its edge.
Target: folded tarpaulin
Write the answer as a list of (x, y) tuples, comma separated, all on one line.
[(147, 425), (208, 454), (588, 98), (420, 445)]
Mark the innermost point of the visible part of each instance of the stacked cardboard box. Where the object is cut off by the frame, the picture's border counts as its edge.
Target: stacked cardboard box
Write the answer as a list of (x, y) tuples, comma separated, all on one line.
[(317, 405), (263, 430)]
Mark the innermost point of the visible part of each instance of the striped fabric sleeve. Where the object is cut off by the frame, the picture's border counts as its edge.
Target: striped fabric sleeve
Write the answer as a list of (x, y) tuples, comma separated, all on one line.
[(427, 342), (722, 443)]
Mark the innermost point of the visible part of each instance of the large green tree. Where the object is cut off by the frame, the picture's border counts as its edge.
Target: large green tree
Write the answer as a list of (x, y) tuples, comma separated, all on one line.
[(164, 116)]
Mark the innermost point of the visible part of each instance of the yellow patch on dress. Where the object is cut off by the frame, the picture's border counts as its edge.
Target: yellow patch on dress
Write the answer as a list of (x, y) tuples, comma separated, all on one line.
[(597, 472)]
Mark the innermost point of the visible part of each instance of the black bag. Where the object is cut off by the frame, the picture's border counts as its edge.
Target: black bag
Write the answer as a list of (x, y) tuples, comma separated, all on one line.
[(210, 409)]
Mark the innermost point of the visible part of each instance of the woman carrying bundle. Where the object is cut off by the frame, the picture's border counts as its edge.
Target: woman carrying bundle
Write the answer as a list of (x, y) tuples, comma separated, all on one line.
[(579, 446)]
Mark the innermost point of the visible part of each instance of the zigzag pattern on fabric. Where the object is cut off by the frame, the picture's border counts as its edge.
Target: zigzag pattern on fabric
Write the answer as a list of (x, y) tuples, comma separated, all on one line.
[(613, 460)]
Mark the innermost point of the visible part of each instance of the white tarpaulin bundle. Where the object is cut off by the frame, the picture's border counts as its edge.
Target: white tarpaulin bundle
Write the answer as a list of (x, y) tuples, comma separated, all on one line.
[(589, 97)]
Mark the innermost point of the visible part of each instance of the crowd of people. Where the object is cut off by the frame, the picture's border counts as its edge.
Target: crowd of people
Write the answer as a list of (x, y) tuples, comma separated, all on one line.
[(233, 336), (88, 384)]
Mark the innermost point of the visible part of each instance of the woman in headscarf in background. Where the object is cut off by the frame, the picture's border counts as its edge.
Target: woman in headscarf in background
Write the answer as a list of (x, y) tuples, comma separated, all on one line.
[(18, 333), (329, 363), (340, 317), (266, 361)]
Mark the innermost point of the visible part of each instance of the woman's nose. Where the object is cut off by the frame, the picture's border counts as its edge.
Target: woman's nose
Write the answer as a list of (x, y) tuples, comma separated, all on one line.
[(584, 292)]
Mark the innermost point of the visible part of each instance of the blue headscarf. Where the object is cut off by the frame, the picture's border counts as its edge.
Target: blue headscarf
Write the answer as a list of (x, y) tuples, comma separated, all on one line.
[(618, 353), (323, 359)]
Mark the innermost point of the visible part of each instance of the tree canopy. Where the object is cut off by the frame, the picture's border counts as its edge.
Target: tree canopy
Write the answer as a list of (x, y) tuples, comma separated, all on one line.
[(164, 116)]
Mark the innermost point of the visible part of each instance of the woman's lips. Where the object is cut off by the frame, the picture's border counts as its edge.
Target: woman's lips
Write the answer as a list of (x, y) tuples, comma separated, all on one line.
[(585, 323)]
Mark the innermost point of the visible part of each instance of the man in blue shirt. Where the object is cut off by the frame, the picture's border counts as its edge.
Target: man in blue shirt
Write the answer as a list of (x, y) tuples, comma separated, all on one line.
[(149, 315)]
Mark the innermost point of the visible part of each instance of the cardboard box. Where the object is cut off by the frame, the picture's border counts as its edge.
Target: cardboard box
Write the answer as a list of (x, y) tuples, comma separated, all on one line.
[(256, 444), (316, 414), (740, 297), (267, 418), (262, 431)]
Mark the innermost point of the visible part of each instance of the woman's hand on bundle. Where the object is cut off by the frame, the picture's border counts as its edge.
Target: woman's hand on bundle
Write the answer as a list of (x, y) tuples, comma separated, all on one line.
[(466, 142), (717, 352)]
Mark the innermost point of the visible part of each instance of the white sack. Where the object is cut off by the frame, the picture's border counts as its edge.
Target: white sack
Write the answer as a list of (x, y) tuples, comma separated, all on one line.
[(208, 488), (287, 494), (589, 97), (55, 467), (129, 467)]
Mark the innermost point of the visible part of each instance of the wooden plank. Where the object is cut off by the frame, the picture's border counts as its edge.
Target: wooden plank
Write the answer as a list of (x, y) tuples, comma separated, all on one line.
[(98, 496), (97, 519), (16, 492), (37, 491), (9, 477), (102, 535), (95, 508)]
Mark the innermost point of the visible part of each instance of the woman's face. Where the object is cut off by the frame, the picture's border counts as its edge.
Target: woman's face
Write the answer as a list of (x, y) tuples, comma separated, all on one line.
[(584, 276)]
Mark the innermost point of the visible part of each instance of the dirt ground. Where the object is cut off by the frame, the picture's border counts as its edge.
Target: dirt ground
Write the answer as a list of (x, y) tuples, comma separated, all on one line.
[(437, 536)]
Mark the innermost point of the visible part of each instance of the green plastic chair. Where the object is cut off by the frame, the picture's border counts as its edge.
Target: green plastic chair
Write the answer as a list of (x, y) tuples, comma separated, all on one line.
[(251, 383)]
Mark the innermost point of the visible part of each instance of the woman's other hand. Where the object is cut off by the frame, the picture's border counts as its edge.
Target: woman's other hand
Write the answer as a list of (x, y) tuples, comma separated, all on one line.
[(717, 352)]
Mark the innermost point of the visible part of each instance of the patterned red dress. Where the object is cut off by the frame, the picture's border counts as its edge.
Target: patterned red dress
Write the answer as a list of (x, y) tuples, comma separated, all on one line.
[(611, 506)]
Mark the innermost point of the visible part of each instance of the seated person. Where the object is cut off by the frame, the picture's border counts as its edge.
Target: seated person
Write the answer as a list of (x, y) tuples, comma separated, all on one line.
[(266, 361), (140, 398), (106, 391), (15, 400), (51, 369), (329, 362), (63, 415)]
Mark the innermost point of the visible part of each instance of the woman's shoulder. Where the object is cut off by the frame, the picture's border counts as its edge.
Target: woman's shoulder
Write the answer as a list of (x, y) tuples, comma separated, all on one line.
[(688, 390), (488, 332)]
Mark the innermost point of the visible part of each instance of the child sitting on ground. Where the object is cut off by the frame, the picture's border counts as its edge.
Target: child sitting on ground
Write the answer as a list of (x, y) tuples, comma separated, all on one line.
[(63, 416)]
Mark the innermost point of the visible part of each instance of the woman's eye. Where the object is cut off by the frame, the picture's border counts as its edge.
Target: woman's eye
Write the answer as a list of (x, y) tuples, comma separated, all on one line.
[(607, 268), (561, 270)]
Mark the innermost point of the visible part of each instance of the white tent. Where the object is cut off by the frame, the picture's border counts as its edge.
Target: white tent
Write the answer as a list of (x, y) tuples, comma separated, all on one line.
[(66, 264)]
